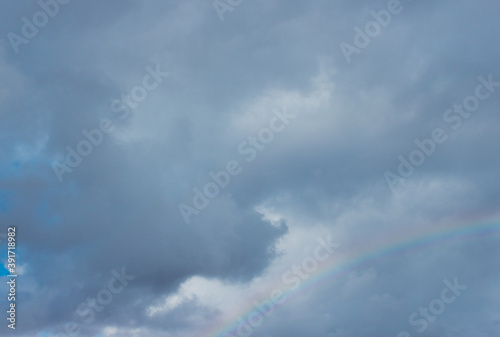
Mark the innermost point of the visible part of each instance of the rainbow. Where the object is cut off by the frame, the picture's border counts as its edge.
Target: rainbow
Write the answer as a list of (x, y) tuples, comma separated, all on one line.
[(485, 225)]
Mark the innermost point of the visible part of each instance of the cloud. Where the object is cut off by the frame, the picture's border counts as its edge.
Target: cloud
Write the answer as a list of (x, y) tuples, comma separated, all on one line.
[(322, 175)]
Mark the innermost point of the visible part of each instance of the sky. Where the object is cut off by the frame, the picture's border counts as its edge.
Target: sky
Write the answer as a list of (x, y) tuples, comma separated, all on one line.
[(232, 168)]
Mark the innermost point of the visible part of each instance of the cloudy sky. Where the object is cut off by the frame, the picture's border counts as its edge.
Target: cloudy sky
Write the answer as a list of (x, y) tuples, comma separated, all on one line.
[(323, 168)]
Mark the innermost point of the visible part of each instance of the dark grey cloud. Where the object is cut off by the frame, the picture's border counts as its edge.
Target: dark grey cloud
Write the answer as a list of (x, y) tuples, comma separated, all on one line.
[(324, 173)]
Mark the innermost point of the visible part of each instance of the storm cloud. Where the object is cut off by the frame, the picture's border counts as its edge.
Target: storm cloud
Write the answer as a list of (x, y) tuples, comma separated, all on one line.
[(168, 164)]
